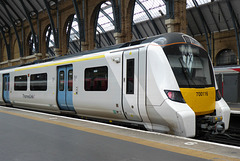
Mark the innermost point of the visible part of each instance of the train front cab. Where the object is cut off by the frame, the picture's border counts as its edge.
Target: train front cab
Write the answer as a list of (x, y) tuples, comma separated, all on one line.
[(185, 87), (194, 73)]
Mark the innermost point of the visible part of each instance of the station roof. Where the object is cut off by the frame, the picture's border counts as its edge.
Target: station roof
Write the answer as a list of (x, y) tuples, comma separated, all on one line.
[(203, 16)]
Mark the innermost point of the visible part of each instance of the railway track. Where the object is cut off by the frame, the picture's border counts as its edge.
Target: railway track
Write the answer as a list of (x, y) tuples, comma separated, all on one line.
[(231, 136), (229, 139)]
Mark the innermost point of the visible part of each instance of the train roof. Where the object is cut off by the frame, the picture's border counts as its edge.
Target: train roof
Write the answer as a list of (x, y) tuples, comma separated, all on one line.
[(163, 39)]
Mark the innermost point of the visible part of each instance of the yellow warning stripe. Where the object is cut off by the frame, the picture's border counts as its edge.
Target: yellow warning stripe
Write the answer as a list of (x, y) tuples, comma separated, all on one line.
[(61, 63)]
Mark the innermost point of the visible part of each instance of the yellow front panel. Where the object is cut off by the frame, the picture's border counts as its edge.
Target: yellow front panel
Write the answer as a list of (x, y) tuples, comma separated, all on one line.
[(201, 100)]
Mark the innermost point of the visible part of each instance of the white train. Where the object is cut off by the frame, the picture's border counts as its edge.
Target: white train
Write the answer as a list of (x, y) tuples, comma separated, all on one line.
[(165, 83)]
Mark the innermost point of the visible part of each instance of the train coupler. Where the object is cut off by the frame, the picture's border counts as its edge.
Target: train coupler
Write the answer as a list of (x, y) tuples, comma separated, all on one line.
[(212, 124)]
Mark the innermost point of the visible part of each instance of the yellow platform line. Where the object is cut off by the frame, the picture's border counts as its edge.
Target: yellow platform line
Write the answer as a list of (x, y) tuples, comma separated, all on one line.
[(175, 149)]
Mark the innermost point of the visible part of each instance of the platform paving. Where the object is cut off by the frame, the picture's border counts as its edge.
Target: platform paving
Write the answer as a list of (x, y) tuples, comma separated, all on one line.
[(32, 136)]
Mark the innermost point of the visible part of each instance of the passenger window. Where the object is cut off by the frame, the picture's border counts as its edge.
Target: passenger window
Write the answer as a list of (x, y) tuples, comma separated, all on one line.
[(5, 84), (38, 82), (8, 83), (61, 81), (20, 83), (70, 80), (96, 79), (130, 76)]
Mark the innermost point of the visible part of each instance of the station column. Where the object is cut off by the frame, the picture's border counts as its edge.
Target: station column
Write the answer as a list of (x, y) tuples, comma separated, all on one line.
[(124, 21), (176, 19)]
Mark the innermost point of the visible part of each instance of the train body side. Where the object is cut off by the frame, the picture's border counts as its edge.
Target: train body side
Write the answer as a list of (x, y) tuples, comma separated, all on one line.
[(35, 99)]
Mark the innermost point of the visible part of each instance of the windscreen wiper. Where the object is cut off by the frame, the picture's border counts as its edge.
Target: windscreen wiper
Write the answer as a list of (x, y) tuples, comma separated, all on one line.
[(186, 72)]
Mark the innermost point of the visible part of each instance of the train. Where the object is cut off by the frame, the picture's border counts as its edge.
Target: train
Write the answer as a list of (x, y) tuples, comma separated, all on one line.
[(164, 83)]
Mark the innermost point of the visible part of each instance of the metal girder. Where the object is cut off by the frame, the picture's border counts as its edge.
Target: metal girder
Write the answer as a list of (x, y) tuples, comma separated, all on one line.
[(104, 32), (69, 27), (96, 24), (137, 31), (5, 23), (233, 14), (6, 16), (195, 22), (117, 14), (48, 38), (235, 25), (201, 16), (149, 16), (214, 19), (139, 34), (98, 42), (14, 27), (54, 29), (149, 27), (13, 11), (39, 4), (110, 19), (105, 14), (80, 21), (33, 7), (204, 26), (35, 17), (35, 39), (163, 25), (6, 43), (225, 20), (74, 46), (18, 8), (190, 30), (169, 9), (134, 35), (75, 32), (144, 30)]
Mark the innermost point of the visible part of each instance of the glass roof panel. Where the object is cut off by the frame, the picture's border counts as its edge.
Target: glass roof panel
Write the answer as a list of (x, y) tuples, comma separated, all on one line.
[(156, 8), (190, 3), (103, 20)]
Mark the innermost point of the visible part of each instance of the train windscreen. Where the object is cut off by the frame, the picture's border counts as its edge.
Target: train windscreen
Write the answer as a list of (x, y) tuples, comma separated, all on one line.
[(191, 65)]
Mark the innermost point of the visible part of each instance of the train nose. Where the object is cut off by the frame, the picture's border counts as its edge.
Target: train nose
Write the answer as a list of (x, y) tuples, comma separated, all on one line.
[(201, 100)]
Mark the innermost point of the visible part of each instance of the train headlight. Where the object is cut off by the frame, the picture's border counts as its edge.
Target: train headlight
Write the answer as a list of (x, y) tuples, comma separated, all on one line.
[(175, 96)]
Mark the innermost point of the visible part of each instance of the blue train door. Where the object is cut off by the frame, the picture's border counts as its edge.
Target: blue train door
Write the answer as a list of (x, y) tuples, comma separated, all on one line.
[(6, 80), (65, 88)]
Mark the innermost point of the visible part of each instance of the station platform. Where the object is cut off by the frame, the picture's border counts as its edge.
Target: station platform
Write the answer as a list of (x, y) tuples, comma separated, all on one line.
[(34, 136), (235, 108)]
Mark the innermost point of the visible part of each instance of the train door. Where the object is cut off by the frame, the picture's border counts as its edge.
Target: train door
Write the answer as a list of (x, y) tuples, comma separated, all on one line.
[(65, 88), (6, 80), (130, 85)]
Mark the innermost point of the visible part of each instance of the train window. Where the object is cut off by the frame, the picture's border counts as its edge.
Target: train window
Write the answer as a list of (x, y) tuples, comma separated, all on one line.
[(70, 80), (130, 76), (96, 79), (38, 82), (61, 81), (5, 84), (20, 83)]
